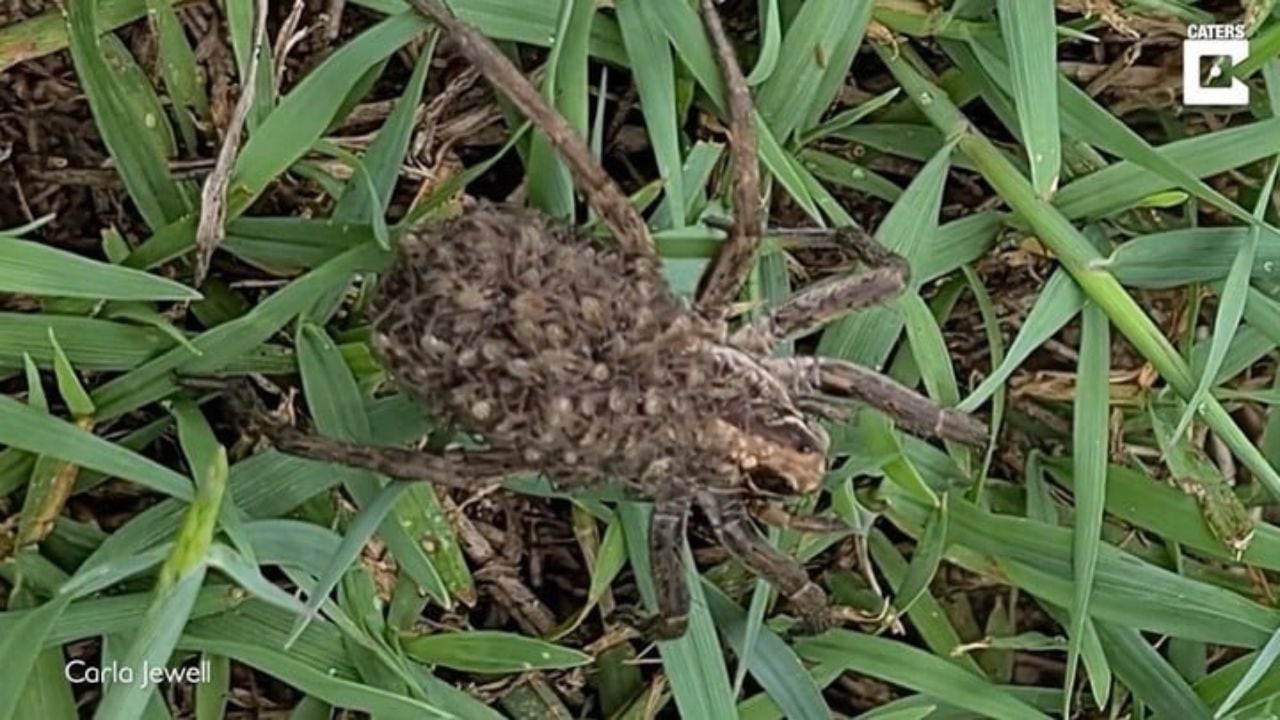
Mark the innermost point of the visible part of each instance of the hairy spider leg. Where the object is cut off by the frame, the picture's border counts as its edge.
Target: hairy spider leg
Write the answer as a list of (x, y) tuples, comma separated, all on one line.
[(666, 562), (911, 410), (600, 191), (732, 525), (728, 270), (778, 517), (466, 469), (886, 275)]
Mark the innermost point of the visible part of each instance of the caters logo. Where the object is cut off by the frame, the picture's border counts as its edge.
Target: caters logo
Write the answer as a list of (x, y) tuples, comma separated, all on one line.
[(1219, 44)]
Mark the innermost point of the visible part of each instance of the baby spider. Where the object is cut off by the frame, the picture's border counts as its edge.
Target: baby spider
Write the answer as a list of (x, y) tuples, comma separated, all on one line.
[(575, 361)]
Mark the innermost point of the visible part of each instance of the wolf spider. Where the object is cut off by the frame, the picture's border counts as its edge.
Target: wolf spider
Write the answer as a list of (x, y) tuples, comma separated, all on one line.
[(575, 361)]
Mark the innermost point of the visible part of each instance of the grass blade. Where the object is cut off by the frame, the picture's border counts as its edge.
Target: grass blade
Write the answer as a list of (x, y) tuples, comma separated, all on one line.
[(932, 359), (653, 70), (1083, 118), (484, 651), (304, 114), (926, 613), (177, 588), (771, 29), (683, 27), (1257, 670), (771, 662), (905, 666), (550, 185), (1080, 258), (1149, 676), (119, 113), (1230, 307), (362, 527), (47, 694), (924, 564), (820, 43), (247, 575), (611, 556), (1090, 423), (1124, 184), (318, 665), (290, 131), (178, 68), (694, 663), (868, 337), (151, 648), (26, 428), (1200, 254), (1126, 590), (848, 118), (36, 269), (1194, 473), (381, 164), (52, 481), (212, 695), (241, 16), (20, 645), (1030, 40), (338, 408), (229, 341)]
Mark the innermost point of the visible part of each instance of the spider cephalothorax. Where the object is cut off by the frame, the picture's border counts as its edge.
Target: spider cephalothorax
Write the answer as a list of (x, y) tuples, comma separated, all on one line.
[(573, 359)]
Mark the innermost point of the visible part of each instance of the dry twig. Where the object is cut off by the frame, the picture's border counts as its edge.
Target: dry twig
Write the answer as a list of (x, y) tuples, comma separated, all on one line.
[(213, 196)]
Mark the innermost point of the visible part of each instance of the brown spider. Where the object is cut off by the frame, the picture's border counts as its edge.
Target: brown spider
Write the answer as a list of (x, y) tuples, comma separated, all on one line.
[(576, 362)]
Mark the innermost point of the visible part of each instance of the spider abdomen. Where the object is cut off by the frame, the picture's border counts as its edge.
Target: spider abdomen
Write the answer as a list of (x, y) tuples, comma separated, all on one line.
[(515, 327)]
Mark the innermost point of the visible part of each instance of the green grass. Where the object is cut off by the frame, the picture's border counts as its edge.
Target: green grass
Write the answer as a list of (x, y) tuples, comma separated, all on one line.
[(1068, 538)]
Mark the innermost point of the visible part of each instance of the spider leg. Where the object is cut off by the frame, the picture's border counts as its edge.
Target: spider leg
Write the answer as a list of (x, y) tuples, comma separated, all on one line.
[(733, 528), (465, 469), (913, 411), (732, 263), (601, 192), (818, 305), (666, 543), (469, 470), (783, 518)]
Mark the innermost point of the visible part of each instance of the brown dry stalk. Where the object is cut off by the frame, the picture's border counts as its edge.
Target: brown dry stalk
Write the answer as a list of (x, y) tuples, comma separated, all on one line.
[(213, 196)]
